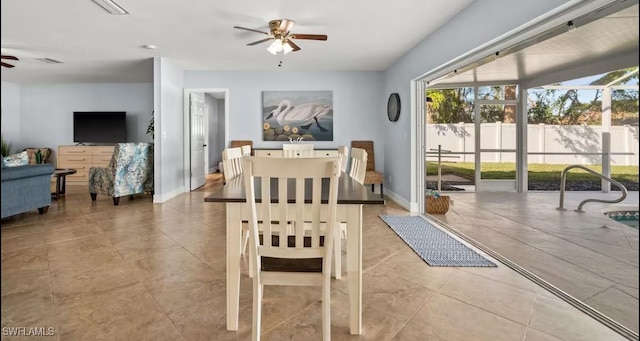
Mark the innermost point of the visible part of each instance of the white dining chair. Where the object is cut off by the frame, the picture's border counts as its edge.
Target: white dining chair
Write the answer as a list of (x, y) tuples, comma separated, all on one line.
[(298, 150), (357, 172), (358, 164), (246, 150), (343, 151), (271, 243), (231, 162)]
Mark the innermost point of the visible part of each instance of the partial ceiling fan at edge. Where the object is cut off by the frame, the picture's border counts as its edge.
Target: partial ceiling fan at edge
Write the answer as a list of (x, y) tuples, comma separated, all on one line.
[(9, 58)]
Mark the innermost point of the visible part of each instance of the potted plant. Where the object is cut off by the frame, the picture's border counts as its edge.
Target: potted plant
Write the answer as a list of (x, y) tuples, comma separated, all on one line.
[(150, 127), (6, 147)]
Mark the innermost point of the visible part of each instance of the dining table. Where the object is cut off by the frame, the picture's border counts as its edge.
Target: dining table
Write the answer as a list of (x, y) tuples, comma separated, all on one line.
[(351, 198)]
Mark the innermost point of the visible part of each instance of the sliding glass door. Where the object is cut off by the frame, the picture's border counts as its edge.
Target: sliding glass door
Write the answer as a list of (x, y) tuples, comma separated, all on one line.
[(496, 133)]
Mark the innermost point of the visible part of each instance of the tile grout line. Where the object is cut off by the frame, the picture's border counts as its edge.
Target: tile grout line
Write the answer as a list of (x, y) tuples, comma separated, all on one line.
[(53, 298), (412, 315), (533, 307)]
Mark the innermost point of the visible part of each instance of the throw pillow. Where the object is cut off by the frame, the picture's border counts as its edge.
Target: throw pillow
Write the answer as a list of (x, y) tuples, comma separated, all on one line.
[(18, 159), (45, 153)]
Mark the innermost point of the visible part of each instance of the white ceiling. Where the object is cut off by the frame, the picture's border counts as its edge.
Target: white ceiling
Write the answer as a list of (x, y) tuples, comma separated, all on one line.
[(96, 46), (598, 37)]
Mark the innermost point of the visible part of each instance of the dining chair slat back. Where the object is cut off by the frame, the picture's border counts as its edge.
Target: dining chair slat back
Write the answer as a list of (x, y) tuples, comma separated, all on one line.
[(297, 150), (232, 162), (246, 150), (270, 239), (343, 151), (358, 164)]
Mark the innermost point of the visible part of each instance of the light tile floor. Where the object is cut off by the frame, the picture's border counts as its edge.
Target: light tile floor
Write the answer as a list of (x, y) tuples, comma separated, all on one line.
[(587, 255), (143, 271)]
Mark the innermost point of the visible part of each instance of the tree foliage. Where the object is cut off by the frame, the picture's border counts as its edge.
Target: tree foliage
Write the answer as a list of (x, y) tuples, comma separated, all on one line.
[(451, 105), (550, 106)]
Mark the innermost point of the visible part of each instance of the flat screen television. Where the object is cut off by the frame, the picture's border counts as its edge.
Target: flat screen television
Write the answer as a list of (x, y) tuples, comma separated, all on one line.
[(99, 126)]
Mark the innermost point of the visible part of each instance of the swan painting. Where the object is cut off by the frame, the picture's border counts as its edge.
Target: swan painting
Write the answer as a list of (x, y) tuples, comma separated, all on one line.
[(303, 115), (293, 114)]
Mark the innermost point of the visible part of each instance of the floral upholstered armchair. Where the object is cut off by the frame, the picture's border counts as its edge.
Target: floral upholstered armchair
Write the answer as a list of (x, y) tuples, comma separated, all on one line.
[(130, 172)]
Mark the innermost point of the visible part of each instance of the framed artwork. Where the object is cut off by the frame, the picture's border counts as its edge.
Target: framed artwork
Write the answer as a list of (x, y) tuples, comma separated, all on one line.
[(297, 114)]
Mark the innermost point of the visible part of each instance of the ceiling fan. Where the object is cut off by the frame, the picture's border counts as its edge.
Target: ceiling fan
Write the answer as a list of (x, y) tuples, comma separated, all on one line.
[(10, 58), (280, 34)]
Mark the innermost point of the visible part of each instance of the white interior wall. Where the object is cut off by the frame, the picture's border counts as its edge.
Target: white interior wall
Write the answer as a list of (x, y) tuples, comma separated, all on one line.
[(220, 136), (11, 113), (46, 110), (169, 159), (357, 106)]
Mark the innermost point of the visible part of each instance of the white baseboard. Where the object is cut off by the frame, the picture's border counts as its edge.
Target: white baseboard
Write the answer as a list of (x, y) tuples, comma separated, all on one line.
[(160, 198), (409, 206)]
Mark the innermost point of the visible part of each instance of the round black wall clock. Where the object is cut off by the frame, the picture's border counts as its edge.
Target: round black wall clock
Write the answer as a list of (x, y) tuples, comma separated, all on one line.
[(393, 107)]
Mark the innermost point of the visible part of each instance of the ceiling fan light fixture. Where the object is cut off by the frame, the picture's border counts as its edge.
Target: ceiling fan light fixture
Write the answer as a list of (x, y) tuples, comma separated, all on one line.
[(286, 48), (272, 49), (275, 47), (110, 6)]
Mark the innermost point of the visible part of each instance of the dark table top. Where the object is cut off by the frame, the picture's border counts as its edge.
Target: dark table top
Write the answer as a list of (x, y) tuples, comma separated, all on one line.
[(64, 171), (349, 192)]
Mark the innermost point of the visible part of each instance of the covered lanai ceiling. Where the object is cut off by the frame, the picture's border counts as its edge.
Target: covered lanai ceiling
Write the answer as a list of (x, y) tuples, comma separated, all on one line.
[(599, 42)]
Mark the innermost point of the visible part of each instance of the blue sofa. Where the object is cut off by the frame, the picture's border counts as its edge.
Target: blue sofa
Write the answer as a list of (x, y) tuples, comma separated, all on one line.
[(25, 188)]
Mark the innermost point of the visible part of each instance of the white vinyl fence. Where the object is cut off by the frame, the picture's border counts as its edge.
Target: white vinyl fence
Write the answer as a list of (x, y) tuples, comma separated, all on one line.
[(541, 138)]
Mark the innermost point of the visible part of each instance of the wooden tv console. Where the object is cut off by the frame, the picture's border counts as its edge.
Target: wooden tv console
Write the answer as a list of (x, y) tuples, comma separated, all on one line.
[(82, 158)]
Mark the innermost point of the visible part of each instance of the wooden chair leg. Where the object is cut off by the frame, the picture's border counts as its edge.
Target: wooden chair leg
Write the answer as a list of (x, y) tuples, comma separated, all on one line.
[(251, 261), (43, 210), (245, 240), (337, 255), (116, 201), (93, 196), (257, 309), (326, 310)]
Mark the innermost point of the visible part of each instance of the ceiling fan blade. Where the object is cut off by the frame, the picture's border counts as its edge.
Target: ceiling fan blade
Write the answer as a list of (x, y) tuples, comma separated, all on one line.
[(259, 41), (9, 57), (250, 29), (293, 45), (6, 65), (286, 25), (310, 36)]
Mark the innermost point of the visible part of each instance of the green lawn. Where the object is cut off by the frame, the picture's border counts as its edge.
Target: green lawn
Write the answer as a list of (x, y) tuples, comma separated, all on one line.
[(537, 172)]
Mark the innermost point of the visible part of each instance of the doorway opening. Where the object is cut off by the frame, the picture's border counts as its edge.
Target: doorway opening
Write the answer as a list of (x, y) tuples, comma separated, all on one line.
[(205, 134)]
